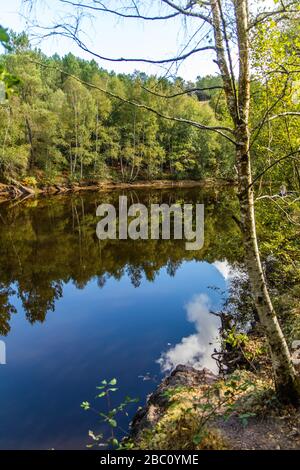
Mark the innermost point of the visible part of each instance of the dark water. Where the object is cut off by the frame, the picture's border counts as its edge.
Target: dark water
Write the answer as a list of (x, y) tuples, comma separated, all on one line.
[(74, 310)]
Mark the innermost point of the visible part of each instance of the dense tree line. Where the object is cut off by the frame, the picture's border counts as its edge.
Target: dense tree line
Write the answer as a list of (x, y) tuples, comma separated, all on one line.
[(55, 124)]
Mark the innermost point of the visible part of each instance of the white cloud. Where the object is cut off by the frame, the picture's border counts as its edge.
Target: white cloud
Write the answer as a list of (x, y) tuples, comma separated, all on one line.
[(195, 350), (224, 268)]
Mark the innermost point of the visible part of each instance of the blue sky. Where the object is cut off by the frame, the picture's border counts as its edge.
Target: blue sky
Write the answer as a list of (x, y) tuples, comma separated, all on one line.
[(116, 38)]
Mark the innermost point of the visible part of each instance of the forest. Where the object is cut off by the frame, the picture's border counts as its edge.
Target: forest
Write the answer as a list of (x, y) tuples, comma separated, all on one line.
[(58, 126), (222, 321)]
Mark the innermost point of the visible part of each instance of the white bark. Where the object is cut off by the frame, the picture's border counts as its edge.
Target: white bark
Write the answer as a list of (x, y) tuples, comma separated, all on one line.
[(286, 380)]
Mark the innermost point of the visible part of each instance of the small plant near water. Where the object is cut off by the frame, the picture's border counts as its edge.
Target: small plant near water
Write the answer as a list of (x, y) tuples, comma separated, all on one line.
[(235, 339), (110, 417), (222, 400), (239, 351), (197, 411)]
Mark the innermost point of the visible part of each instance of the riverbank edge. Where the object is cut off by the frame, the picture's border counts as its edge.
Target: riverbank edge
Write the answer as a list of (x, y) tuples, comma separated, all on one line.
[(166, 421), (18, 190), (148, 416)]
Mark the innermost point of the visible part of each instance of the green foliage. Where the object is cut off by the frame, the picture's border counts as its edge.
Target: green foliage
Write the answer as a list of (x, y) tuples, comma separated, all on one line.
[(64, 127), (191, 418), (10, 81), (110, 417), (85, 405), (222, 398), (235, 339), (76, 130), (30, 181), (275, 48), (4, 36)]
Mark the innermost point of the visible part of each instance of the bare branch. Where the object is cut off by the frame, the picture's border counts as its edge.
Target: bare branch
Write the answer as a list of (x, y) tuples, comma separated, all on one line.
[(272, 198), (267, 196), (184, 92), (289, 155), (104, 9), (188, 12), (71, 32), (287, 113), (284, 13)]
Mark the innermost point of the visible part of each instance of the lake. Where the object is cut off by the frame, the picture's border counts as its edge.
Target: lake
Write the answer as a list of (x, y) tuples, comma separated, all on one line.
[(75, 310)]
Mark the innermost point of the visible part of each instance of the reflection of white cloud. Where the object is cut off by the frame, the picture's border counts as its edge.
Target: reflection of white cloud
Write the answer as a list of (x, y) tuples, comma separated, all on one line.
[(224, 268), (195, 350)]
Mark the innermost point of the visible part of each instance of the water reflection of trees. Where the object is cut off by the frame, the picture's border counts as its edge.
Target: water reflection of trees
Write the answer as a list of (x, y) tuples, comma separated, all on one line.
[(45, 244)]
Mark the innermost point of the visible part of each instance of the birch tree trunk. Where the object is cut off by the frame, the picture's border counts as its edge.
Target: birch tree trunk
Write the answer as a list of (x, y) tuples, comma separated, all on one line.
[(286, 380)]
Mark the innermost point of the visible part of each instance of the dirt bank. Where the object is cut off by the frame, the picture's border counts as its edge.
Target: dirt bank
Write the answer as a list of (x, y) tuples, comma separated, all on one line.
[(197, 410), (18, 190)]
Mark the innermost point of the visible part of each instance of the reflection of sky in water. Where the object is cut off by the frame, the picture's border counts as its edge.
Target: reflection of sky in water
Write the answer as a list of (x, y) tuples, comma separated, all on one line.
[(196, 349), (117, 331), (224, 269)]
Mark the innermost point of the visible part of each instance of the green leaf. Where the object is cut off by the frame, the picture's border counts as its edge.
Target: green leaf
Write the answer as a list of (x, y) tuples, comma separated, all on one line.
[(4, 37), (205, 406), (197, 439), (102, 394), (112, 423), (128, 399), (95, 437), (245, 416), (85, 405), (113, 382)]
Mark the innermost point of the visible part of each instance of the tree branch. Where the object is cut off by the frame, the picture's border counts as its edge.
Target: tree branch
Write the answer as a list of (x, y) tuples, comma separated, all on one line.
[(184, 92), (291, 154), (265, 15), (104, 9), (265, 118), (287, 113), (185, 11), (71, 32)]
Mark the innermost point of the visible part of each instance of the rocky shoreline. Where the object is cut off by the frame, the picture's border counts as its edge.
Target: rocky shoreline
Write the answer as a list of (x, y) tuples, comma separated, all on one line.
[(158, 402)]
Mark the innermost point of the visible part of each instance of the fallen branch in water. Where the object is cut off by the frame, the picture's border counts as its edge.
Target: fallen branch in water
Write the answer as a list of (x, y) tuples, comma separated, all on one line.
[(21, 189)]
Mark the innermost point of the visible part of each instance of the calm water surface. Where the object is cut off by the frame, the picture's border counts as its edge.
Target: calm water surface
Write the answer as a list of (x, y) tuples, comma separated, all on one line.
[(74, 310)]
